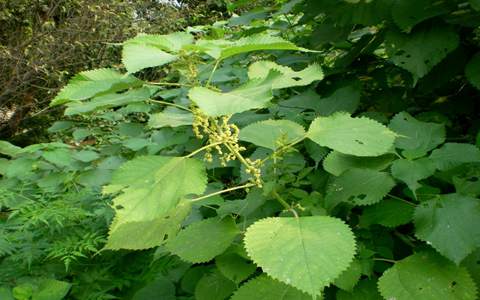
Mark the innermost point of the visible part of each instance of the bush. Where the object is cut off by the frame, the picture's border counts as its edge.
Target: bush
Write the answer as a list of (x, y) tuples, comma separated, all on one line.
[(304, 150)]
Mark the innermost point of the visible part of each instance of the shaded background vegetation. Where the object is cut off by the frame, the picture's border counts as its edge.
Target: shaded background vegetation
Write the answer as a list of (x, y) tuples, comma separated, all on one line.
[(43, 43)]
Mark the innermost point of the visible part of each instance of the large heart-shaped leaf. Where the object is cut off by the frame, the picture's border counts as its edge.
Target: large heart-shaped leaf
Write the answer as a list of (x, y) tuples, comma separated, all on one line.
[(310, 252)]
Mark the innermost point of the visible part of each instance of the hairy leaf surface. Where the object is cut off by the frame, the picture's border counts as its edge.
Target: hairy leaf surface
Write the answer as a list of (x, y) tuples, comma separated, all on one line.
[(358, 186), (354, 136), (202, 241), (310, 251), (272, 134), (426, 276), (451, 224), (266, 288)]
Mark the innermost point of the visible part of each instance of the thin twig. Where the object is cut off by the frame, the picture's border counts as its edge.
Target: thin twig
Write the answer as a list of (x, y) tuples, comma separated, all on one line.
[(213, 71), (223, 191), (203, 148), (171, 104), (401, 199), (385, 259)]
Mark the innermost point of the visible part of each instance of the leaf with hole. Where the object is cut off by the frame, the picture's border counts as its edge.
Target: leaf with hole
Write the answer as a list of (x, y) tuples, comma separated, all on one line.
[(359, 187), (426, 276), (354, 136), (416, 138), (421, 50), (450, 224)]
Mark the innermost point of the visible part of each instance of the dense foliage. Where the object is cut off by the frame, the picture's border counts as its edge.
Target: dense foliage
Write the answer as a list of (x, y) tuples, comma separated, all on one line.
[(44, 43), (305, 150)]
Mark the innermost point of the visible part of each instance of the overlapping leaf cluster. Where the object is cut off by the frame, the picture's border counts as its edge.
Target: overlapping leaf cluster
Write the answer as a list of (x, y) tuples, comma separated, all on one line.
[(336, 156)]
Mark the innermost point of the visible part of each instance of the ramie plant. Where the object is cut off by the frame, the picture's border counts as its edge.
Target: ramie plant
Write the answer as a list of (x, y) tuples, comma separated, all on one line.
[(319, 149)]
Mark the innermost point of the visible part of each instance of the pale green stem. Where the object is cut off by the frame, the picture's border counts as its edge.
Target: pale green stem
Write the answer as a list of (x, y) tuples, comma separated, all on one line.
[(170, 84), (401, 199), (281, 149), (201, 149), (386, 260), (223, 191), (171, 104), (213, 71)]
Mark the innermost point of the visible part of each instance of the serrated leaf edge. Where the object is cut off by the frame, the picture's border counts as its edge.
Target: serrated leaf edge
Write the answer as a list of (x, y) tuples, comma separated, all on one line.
[(289, 284)]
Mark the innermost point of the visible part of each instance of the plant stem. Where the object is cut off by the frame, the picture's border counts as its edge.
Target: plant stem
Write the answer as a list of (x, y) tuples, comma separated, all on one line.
[(238, 155), (281, 200), (203, 148), (401, 199), (385, 259), (223, 191), (170, 84), (283, 148), (171, 104), (213, 71)]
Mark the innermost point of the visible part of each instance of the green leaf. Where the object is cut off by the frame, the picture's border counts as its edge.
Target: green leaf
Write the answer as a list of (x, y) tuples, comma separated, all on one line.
[(336, 163), (421, 50), (452, 155), (221, 49), (412, 171), (150, 187), (416, 138), (139, 235), (272, 134), (426, 276), (234, 267), (354, 136), (88, 84), (51, 289), (60, 157), (160, 288), (86, 155), (214, 286), (472, 69), (349, 278), (450, 224), (6, 293), (145, 50), (471, 263), (202, 241), (346, 99), (310, 252), (364, 290), (467, 182), (254, 94), (172, 42), (408, 13), (288, 78), (389, 213), (170, 117), (266, 288), (107, 101), (475, 4), (136, 57), (9, 149), (358, 186)]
